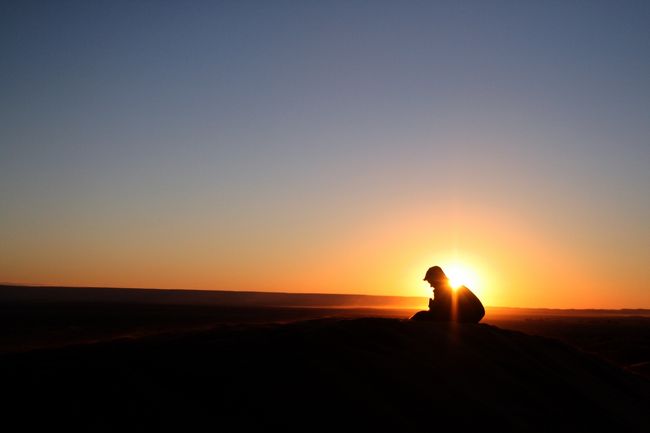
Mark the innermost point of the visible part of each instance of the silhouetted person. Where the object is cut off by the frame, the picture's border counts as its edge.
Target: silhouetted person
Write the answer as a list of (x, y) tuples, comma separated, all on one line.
[(449, 305)]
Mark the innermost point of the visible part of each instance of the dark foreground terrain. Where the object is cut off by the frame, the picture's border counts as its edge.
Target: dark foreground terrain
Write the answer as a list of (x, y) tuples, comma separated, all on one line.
[(110, 365)]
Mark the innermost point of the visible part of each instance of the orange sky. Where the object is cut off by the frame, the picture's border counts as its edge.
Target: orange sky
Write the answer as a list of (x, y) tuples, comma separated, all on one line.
[(512, 265)]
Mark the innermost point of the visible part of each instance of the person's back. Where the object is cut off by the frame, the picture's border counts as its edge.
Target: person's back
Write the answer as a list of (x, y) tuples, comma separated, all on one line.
[(469, 307)]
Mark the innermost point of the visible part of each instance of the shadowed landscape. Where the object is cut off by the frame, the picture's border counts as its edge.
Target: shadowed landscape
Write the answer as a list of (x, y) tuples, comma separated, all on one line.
[(92, 362)]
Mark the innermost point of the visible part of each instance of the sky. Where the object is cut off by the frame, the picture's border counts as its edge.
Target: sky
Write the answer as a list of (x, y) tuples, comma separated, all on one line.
[(330, 147)]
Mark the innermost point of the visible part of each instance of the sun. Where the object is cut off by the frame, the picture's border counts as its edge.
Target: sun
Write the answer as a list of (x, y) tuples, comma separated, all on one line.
[(460, 275)]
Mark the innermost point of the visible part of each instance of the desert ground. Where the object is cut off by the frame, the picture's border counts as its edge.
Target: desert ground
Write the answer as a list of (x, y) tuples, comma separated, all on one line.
[(115, 360)]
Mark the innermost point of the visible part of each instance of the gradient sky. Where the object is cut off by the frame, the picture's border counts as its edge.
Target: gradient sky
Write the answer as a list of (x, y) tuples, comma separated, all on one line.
[(338, 147)]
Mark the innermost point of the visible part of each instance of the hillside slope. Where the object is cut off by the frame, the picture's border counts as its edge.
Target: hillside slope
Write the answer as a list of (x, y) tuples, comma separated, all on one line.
[(329, 374)]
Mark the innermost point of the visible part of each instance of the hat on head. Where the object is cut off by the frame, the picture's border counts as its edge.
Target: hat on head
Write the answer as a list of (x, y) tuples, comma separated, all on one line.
[(435, 273)]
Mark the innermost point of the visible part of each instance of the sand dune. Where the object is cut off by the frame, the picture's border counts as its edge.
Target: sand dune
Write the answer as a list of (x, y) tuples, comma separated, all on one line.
[(329, 374)]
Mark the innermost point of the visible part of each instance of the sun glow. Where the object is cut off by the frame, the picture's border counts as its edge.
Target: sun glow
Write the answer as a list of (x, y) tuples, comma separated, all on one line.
[(460, 275)]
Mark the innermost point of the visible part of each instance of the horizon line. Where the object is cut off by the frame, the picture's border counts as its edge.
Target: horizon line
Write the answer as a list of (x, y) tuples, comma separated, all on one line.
[(55, 286)]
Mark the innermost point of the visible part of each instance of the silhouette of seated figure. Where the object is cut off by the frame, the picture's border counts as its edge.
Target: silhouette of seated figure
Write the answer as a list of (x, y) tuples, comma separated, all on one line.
[(449, 305)]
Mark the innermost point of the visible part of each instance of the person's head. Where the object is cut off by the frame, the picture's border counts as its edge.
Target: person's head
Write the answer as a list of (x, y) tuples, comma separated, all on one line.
[(436, 277)]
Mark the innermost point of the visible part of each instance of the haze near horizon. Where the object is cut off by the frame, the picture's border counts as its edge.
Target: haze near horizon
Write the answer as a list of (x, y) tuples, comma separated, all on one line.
[(329, 147)]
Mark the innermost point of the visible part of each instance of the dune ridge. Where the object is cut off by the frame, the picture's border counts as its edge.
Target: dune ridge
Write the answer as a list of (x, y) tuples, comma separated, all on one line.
[(368, 373)]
